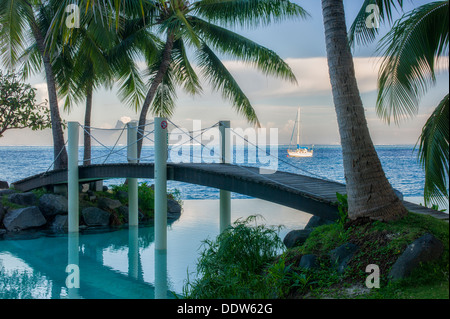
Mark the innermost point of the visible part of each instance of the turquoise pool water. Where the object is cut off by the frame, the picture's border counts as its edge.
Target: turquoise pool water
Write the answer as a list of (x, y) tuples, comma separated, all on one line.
[(122, 263)]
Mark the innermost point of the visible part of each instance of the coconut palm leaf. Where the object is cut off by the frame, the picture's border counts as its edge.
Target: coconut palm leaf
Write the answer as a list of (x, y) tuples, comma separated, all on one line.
[(248, 13), (14, 21), (222, 80), (434, 154), (410, 51), (359, 33), (237, 46), (185, 73)]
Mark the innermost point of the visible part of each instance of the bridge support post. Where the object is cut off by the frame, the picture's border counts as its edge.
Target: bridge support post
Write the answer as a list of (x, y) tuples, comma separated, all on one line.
[(132, 182), (160, 183), (72, 177), (225, 196)]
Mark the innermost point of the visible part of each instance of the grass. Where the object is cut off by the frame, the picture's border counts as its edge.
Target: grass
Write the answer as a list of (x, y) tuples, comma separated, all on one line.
[(224, 271)]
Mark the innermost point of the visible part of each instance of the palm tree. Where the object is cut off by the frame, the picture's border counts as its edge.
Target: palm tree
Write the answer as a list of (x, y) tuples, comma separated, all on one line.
[(182, 23), (95, 56), (411, 50), (369, 192), (30, 20)]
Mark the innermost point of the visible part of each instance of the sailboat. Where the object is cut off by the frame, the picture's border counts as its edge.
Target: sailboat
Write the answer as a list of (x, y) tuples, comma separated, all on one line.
[(299, 151)]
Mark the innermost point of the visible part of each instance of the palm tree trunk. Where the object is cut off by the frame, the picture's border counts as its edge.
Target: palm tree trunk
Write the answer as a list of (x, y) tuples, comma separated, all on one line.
[(59, 149), (87, 128), (162, 70), (369, 192)]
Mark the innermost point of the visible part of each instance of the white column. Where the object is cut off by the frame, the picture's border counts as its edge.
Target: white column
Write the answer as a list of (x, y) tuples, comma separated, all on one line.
[(160, 183), (132, 182), (72, 177), (225, 196)]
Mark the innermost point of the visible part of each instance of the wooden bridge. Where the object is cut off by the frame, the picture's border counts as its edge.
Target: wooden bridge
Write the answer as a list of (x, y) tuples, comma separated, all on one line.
[(312, 195)]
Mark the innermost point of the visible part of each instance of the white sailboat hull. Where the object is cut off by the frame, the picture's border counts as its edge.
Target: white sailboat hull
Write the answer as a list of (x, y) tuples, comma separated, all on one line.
[(300, 153)]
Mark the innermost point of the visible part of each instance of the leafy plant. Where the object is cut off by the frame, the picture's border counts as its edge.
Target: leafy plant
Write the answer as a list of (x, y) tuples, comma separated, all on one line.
[(18, 107), (232, 265), (342, 208)]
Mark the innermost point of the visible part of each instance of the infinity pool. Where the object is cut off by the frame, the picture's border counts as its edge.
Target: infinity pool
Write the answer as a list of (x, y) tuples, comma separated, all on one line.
[(122, 263)]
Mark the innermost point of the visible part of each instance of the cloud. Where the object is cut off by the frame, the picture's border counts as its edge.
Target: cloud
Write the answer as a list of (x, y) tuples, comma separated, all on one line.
[(311, 73)]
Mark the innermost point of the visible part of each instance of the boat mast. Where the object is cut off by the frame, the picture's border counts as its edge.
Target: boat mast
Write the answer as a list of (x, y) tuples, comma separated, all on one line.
[(298, 128)]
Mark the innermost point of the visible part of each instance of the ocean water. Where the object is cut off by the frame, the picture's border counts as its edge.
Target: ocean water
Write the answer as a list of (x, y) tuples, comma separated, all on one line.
[(122, 263), (399, 162)]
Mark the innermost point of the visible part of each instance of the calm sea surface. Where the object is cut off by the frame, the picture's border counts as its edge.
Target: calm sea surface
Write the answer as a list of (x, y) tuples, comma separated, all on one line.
[(122, 263)]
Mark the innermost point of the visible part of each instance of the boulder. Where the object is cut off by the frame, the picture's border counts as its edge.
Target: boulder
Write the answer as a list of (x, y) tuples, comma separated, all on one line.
[(2, 212), (316, 221), (423, 249), (4, 185), (94, 216), (296, 237), (123, 210), (23, 198), (342, 255), (51, 205), (60, 222), (308, 262), (173, 209), (108, 203), (24, 218), (6, 192)]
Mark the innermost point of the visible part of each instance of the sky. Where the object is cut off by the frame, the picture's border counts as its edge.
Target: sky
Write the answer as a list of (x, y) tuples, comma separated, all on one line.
[(301, 44)]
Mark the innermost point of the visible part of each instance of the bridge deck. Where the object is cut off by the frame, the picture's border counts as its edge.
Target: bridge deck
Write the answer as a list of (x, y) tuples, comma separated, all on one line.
[(309, 194)]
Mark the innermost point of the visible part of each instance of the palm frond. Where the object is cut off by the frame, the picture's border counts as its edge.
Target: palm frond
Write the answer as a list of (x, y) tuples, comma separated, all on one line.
[(410, 50), (14, 20), (434, 154), (248, 13), (237, 46), (359, 32), (222, 80), (184, 72), (163, 104)]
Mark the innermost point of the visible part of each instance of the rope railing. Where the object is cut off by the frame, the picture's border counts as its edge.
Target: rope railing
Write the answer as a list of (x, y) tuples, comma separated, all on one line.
[(193, 136)]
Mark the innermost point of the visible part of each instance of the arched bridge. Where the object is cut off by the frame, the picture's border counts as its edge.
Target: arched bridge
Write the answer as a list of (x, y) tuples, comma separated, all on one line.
[(312, 195), (308, 194)]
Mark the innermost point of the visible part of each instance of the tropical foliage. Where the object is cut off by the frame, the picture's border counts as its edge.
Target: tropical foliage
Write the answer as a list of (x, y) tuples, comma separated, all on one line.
[(18, 107), (25, 24), (414, 50)]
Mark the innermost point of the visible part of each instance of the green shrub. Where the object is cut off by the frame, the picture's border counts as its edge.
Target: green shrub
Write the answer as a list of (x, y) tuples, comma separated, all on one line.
[(232, 266)]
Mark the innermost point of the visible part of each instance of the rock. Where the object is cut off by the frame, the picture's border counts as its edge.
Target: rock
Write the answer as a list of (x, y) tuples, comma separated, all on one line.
[(423, 249), (108, 203), (24, 218), (23, 198), (60, 222), (94, 216), (2, 232), (342, 255), (173, 209), (4, 185), (2, 212), (296, 237), (51, 205), (308, 261), (6, 192), (122, 195), (316, 221)]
